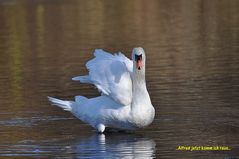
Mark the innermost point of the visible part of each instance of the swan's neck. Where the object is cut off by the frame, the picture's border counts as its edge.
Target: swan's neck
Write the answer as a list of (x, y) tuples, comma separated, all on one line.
[(140, 93), (142, 111)]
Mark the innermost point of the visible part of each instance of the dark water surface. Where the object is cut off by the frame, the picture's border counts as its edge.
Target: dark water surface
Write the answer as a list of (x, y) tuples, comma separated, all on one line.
[(192, 75)]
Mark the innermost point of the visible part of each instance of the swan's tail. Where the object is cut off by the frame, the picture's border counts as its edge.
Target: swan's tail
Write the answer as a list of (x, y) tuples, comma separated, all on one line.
[(66, 105)]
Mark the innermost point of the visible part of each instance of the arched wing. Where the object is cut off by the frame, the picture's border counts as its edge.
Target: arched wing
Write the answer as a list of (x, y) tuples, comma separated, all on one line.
[(111, 74)]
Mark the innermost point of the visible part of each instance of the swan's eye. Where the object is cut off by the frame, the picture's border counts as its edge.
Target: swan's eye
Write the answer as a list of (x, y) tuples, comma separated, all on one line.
[(138, 57)]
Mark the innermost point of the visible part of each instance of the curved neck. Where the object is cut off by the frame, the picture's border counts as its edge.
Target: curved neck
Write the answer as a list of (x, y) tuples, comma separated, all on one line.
[(138, 76), (140, 93)]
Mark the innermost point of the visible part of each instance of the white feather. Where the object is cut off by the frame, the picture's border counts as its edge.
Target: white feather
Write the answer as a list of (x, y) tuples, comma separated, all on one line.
[(66, 105), (111, 74)]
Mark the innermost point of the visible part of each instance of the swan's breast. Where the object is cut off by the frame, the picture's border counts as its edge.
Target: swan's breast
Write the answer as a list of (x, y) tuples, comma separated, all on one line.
[(143, 117)]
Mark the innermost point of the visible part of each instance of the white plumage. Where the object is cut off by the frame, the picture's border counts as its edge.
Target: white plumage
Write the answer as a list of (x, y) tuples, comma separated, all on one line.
[(124, 104), (111, 75)]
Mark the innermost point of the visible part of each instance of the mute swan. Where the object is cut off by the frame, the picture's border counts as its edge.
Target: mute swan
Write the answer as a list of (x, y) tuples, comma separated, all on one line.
[(124, 102)]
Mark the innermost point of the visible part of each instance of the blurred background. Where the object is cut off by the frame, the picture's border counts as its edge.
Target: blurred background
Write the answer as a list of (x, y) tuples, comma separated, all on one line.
[(192, 75)]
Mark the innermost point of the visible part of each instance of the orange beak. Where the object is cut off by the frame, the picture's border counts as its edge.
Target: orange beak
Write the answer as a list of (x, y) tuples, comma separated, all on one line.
[(139, 64)]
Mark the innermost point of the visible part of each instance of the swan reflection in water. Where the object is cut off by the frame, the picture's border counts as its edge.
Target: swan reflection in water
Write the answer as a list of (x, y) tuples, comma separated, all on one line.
[(116, 146), (97, 146)]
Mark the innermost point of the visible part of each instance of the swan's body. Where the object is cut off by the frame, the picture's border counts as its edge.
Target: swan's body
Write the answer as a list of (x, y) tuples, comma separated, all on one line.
[(124, 104)]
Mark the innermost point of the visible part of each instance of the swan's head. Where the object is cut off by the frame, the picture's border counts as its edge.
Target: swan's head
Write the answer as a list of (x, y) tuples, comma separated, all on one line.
[(138, 57)]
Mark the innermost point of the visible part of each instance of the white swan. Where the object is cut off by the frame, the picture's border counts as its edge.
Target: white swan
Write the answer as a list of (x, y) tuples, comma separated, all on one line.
[(124, 104)]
